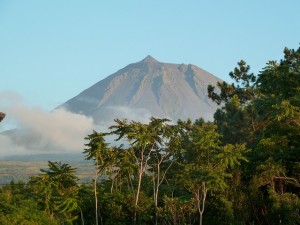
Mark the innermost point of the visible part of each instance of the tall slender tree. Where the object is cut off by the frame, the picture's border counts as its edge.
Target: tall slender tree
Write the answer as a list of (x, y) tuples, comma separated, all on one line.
[(143, 140), (97, 149)]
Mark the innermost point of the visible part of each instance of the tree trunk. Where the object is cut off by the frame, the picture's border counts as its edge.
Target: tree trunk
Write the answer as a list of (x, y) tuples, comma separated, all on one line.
[(112, 186), (200, 199), (138, 194), (138, 188), (204, 191), (156, 186), (95, 192), (81, 215), (200, 219)]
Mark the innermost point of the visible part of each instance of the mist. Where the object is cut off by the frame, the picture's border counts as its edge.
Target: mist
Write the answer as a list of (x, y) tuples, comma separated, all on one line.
[(38, 131), (28, 130)]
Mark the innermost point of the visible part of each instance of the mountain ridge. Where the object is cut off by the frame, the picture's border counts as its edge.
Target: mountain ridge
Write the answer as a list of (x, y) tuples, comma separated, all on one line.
[(149, 87)]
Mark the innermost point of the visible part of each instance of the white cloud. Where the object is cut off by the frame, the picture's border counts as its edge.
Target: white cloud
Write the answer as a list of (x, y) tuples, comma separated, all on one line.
[(9, 147), (40, 131), (59, 131), (137, 114)]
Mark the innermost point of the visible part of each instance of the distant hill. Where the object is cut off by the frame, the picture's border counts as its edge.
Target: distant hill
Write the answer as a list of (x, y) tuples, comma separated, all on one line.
[(148, 88)]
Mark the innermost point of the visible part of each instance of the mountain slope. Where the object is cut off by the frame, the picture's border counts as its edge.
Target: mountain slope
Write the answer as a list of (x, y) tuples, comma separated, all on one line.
[(148, 88)]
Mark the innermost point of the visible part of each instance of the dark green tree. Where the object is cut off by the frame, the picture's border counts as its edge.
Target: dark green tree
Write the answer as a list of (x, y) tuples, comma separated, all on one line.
[(263, 112), (56, 191), (205, 162)]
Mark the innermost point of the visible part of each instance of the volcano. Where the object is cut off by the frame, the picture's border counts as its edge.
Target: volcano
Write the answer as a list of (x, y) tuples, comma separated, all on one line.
[(148, 88)]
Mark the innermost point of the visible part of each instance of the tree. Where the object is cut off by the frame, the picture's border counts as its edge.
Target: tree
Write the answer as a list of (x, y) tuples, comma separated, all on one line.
[(57, 190), (276, 153), (97, 150), (263, 111), (143, 140), (162, 159), (243, 86), (236, 119), (205, 162)]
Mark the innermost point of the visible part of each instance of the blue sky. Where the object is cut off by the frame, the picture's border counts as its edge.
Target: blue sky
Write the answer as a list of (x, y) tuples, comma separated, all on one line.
[(50, 51)]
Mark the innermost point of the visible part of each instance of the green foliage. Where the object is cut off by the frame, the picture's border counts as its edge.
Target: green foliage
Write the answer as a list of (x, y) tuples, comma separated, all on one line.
[(56, 191), (285, 208), (177, 211), (243, 87), (221, 206), (16, 207), (97, 150), (262, 113)]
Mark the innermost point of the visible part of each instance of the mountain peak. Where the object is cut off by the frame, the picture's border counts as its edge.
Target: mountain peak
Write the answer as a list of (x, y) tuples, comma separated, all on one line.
[(148, 88), (149, 59)]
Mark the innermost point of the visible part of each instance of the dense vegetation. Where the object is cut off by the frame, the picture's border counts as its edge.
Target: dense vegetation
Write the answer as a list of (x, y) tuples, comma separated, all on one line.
[(243, 168)]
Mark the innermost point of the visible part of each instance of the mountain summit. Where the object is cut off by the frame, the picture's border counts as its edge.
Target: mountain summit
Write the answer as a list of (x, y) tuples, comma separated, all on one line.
[(149, 59), (148, 88)]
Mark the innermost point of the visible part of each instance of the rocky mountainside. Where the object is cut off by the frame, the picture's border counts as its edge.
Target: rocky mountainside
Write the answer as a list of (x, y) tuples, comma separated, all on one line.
[(148, 88)]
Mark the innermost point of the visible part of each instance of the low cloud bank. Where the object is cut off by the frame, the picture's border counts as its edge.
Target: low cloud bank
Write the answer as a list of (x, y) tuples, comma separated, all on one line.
[(36, 131), (39, 131)]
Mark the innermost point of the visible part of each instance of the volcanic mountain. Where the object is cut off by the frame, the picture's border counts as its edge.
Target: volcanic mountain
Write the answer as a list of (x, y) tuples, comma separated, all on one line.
[(148, 88)]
